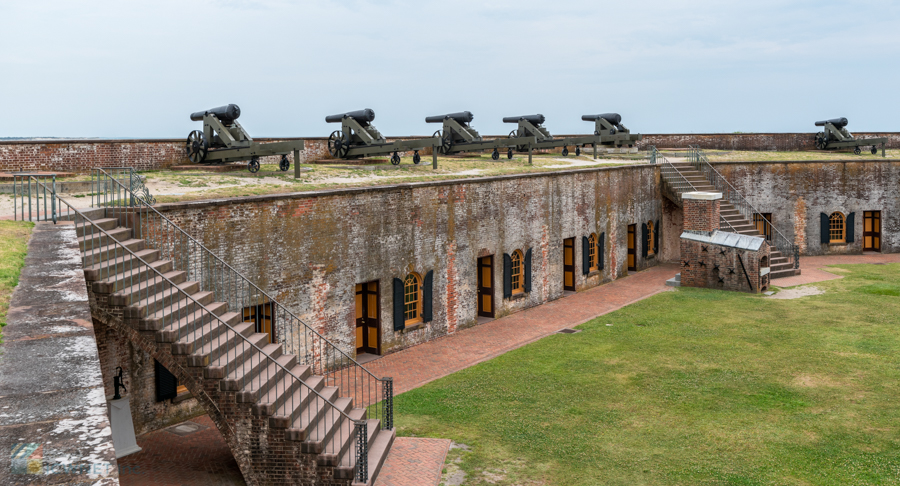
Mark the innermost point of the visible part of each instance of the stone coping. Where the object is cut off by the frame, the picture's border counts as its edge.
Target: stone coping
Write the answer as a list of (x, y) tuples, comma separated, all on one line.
[(384, 188), (53, 409)]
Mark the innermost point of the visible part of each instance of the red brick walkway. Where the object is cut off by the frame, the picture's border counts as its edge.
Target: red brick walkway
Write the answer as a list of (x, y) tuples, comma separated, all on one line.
[(414, 461), (418, 365), (199, 458), (203, 458)]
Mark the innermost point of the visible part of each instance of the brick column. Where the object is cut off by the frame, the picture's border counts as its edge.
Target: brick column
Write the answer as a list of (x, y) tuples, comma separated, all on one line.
[(701, 210)]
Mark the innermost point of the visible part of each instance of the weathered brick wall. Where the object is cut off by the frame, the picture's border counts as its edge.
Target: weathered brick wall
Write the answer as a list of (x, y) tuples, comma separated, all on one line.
[(797, 193), (139, 373), (718, 267), (81, 155), (311, 249), (750, 141)]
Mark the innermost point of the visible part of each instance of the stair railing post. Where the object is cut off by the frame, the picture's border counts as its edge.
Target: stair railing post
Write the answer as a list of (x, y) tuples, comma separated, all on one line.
[(53, 199), (388, 390), (362, 452)]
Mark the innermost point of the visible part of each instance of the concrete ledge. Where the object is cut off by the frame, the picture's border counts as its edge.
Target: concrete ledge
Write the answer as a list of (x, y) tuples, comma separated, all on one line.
[(52, 400)]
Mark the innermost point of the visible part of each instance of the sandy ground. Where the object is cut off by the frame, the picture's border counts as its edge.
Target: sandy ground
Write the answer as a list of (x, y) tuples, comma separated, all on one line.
[(587, 162), (796, 293)]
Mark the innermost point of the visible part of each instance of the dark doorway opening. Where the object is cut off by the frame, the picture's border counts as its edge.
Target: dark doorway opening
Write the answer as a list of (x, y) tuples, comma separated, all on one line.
[(763, 223), (569, 264), (871, 230), (368, 328), (485, 288), (632, 249), (262, 315)]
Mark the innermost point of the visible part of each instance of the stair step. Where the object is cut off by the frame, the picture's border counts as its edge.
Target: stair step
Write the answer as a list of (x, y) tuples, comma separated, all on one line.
[(312, 408), (142, 290), (378, 451), (241, 351), (160, 300), (321, 437), (96, 238), (122, 262), (215, 348), (178, 310), (341, 440), (194, 324), (106, 223), (97, 255), (783, 273), (131, 277)]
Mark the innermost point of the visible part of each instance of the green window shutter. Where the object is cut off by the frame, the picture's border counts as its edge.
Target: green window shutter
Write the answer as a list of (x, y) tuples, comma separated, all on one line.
[(528, 270), (507, 276), (399, 320), (585, 256), (824, 225), (849, 226), (656, 237), (645, 232), (602, 248), (166, 383), (427, 296)]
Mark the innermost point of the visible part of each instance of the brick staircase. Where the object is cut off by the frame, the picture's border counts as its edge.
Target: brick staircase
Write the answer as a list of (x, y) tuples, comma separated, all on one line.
[(284, 424), (780, 265)]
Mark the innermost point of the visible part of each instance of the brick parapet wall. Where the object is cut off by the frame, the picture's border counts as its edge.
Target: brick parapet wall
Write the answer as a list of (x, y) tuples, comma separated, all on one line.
[(701, 214), (309, 250), (81, 155)]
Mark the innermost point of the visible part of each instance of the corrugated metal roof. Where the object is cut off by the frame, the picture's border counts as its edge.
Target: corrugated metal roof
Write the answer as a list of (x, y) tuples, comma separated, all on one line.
[(724, 238)]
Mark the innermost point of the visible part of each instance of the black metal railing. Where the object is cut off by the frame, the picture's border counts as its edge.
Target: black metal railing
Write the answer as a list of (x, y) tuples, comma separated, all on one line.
[(785, 245), (32, 188), (200, 331)]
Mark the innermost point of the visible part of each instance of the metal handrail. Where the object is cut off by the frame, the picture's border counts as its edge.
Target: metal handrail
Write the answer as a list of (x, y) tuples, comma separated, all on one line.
[(187, 305), (698, 159), (231, 286)]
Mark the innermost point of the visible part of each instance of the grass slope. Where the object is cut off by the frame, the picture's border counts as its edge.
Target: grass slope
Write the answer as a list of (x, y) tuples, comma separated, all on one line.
[(689, 387), (13, 245)]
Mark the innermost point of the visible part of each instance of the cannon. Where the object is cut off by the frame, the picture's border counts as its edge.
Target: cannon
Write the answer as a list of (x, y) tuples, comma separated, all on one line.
[(608, 126), (224, 140), (458, 136), (359, 138), (533, 126), (835, 136)]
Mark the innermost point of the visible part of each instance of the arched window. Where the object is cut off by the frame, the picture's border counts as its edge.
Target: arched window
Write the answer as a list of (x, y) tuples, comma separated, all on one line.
[(650, 238), (593, 256), (516, 273), (412, 298), (836, 227)]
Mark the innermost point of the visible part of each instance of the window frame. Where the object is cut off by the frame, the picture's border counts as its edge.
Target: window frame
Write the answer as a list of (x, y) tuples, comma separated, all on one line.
[(517, 272), (832, 230), (417, 318), (593, 253), (651, 229)]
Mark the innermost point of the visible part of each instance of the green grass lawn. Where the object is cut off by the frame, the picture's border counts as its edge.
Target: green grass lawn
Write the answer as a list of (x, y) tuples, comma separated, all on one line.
[(688, 387), (13, 245)]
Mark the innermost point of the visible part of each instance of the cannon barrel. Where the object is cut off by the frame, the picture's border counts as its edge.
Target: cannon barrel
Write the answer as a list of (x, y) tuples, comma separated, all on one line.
[(226, 114), (461, 117), (533, 119), (362, 116), (837, 122), (613, 118)]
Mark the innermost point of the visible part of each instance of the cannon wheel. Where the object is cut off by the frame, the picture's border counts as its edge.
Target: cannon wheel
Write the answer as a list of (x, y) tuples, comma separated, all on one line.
[(495, 155), (253, 165), (196, 147), (395, 159), (577, 151), (856, 150), (446, 143), (565, 151), (509, 154), (285, 164), (336, 145), (416, 157), (874, 150)]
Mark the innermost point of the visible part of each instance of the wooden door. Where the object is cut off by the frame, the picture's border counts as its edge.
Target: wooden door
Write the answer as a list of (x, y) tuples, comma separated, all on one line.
[(262, 316), (872, 231), (485, 288), (632, 249), (569, 264), (367, 319), (763, 223)]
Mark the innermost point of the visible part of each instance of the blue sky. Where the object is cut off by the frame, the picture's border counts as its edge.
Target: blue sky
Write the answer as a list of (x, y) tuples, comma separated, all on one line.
[(127, 69)]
